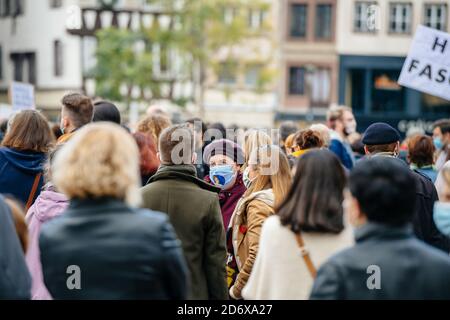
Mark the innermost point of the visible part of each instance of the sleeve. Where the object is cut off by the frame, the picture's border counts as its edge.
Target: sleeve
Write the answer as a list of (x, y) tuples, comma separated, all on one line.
[(327, 285), (215, 254), (175, 268), (257, 213)]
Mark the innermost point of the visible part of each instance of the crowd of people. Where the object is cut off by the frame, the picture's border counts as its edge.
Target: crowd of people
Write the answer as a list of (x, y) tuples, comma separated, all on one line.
[(93, 209)]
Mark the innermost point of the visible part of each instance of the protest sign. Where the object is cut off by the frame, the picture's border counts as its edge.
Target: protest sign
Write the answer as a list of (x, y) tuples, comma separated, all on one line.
[(21, 96), (427, 67)]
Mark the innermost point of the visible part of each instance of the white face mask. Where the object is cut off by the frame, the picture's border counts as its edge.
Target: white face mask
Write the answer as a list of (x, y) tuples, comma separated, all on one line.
[(349, 129), (246, 179)]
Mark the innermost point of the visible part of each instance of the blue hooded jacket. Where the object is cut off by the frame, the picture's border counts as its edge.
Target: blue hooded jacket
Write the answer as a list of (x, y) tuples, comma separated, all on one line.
[(18, 169)]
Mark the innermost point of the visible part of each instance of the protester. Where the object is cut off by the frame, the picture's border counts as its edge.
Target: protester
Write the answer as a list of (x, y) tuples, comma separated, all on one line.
[(77, 111), (342, 124), (324, 131), (286, 129), (18, 213), (421, 155), (441, 210), (225, 159), (15, 280), (122, 252), (253, 139), (199, 128), (312, 211), (270, 179), (387, 262), (289, 144), (148, 159), (153, 124), (193, 208), (306, 140), (48, 205), (381, 140), (22, 156), (106, 111), (441, 140)]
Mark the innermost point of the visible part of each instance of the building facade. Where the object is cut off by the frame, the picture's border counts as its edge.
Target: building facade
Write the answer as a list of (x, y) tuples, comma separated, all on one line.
[(373, 41)]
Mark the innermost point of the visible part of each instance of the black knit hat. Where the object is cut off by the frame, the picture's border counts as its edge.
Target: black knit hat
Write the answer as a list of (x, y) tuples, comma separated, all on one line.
[(380, 133)]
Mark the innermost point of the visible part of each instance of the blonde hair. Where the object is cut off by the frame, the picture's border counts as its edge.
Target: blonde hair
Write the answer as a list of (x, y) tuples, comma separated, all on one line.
[(101, 160), (253, 140), (153, 125), (323, 131), (273, 170)]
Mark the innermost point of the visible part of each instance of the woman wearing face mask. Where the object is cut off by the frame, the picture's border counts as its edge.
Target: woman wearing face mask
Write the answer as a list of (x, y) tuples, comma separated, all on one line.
[(441, 210), (270, 179), (225, 159)]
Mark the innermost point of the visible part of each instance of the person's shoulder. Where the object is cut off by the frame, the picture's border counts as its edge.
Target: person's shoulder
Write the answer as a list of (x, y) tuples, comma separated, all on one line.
[(431, 255), (150, 217)]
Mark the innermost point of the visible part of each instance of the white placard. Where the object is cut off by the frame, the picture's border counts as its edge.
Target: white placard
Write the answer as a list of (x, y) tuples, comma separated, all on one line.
[(427, 67), (21, 96)]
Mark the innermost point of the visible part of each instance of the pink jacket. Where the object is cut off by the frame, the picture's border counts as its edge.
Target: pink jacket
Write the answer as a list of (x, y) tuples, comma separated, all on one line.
[(48, 205)]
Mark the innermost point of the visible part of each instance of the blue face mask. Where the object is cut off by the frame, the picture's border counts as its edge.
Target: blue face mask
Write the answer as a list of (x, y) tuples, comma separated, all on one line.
[(441, 214), (438, 143), (222, 175)]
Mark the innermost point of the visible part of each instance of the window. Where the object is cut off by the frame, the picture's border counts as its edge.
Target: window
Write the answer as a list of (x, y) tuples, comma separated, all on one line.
[(24, 65), (324, 16), (298, 20), (361, 22), (252, 75), (56, 3), (4, 8), (256, 19), (436, 16), (320, 82), (400, 18), (229, 14), (227, 72), (1, 63), (387, 95), (58, 58), (297, 80)]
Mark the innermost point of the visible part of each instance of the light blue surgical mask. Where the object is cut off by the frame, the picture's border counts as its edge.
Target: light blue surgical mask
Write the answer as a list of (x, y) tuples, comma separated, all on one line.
[(438, 143), (246, 179), (441, 215), (222, 175)]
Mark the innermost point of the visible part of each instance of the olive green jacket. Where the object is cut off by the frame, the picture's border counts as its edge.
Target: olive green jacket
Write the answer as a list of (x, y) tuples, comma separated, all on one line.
[(194, 211)]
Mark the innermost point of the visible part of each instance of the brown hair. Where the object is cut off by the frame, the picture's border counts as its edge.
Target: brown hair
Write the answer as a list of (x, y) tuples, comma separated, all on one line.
[(390, 147), (308, 139), (28, 130), (154, 124), (314, 202), (18, 214), (179, 136), (278, 178), (79, 108), (147, 151), (421, 150)]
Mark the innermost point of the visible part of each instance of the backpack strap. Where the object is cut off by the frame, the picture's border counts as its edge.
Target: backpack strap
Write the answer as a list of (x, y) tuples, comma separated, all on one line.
[(33, 190)]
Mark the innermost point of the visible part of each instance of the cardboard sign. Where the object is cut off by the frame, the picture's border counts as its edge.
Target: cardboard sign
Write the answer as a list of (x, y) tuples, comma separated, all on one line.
[(427, 67), (21, 96)]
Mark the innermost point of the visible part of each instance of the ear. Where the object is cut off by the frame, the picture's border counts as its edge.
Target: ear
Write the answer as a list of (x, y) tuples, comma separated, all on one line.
[(66, 122), (366, 151)]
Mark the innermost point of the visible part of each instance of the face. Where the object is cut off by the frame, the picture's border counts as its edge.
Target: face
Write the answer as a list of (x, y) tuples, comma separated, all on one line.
[(352, 210), (444, 193), (437, 133), (349, 122), (220, 160), (252, 172), (64, 119)]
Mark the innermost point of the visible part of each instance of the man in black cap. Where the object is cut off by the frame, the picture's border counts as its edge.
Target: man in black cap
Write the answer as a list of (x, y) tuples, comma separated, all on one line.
[(382, 140)]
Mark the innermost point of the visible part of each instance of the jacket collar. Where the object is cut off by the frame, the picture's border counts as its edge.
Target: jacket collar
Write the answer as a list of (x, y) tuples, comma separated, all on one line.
[(372, 230), (106, 203), (185, 172)]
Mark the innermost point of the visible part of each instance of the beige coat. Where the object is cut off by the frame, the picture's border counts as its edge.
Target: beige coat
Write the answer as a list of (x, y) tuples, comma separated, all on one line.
[(247, 221), (279, 271)]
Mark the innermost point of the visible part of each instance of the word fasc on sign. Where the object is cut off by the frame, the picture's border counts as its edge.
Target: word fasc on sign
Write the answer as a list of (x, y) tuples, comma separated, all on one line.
[(427, 67), (21, 96)]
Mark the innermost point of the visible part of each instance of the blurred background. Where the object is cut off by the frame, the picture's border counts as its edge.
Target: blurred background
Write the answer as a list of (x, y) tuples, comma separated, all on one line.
[(250, 63)]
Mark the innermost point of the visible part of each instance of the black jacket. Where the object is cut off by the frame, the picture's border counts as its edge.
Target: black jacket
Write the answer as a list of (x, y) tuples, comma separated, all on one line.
[(408, 268), (423, 223), (15, 280), (121, 252), (194, 211)]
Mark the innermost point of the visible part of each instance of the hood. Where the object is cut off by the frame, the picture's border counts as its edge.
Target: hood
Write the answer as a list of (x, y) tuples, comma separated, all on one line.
[(265, 196), (27, 161), (49, 204)]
